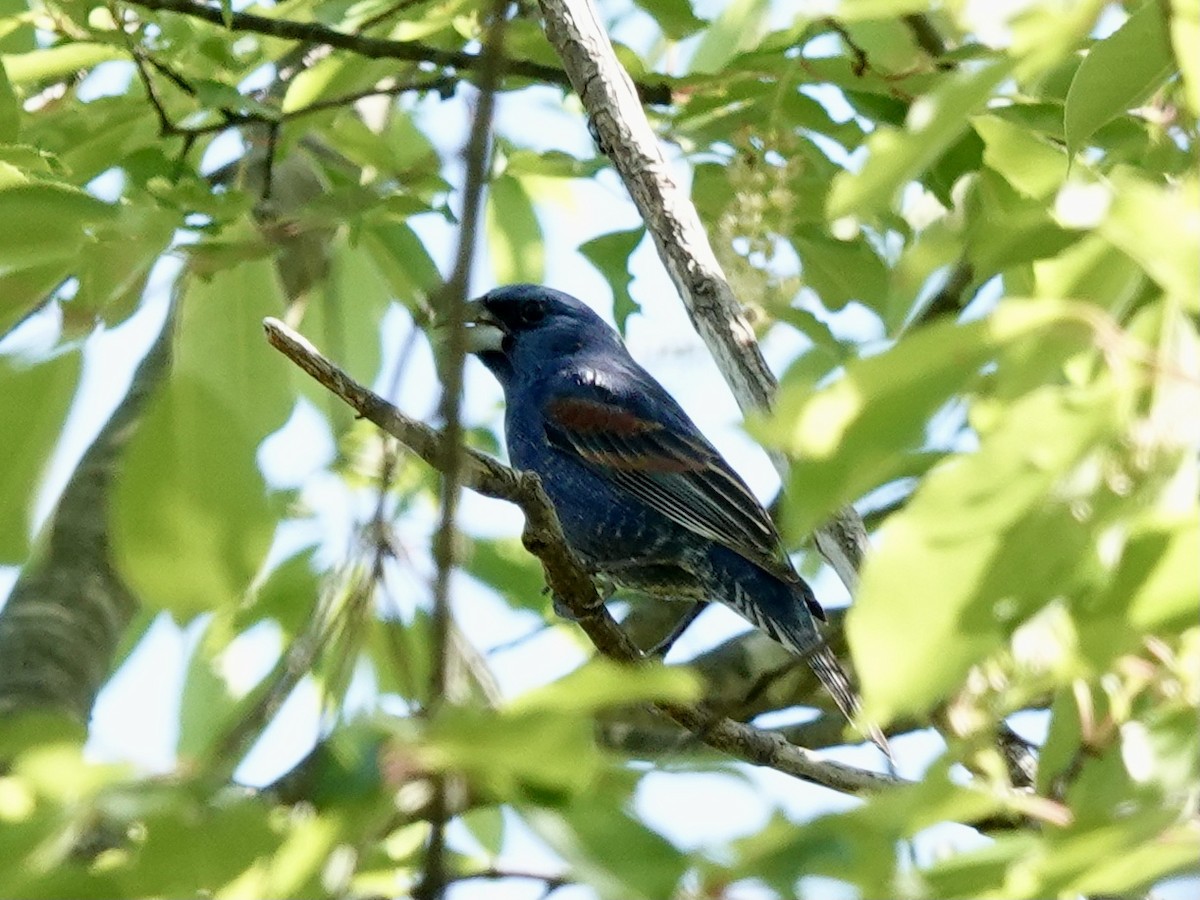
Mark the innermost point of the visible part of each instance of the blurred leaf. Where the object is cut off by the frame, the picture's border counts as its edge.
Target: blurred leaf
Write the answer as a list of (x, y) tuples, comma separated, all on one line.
[(1006, 228), (610, 253), (170, 862), (1033, 166), (933, 123), (608, 848), (42, 223), (740, 26), (486, 824), (674, 17), (113, 269), (851, 436), (1155, 582), (192, 521), (1118, 73), (10, 111), (515, 240), (1185, 37), (602, 683), (842, 271), (53, 63), (287, 597), (1134, 224), (509, 569), (970, 522), (34, 400)]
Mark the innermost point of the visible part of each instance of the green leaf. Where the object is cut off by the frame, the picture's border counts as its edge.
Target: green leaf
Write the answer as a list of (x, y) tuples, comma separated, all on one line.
[(33, 404), (610, 850), (1118, 73), (842, 271), (113, 268), (10, 110), (1185, 38), (191, 519), (674, 17), (603, 683), (288, 596), (43, 223), (403, 261), (486, 824), (853, 435), (547, 755), (610, 253), (54, 63), (739, 27), (1135, 224), (505, 566), (1155, 582), (980, 543), (1032, 165), (515, 241), (1004, 228), (934, 122), (208, 704)]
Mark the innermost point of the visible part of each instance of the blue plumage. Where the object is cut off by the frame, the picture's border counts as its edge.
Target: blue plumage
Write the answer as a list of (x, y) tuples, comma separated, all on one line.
[(642, 496)]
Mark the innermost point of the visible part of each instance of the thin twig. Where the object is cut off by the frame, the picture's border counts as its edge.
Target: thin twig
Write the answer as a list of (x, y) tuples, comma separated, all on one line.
[(374, 48), (453, 303), (568, 578)]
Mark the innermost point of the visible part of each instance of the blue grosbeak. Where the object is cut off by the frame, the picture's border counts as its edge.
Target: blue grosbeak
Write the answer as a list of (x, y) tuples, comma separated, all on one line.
[(644, 499)]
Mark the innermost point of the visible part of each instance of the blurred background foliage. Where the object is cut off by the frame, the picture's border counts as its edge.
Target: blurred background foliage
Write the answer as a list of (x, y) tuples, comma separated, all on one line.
[(1003, 195)]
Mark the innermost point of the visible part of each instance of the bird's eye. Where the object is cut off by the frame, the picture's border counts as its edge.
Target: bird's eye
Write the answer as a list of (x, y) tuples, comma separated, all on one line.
[(532, 312)]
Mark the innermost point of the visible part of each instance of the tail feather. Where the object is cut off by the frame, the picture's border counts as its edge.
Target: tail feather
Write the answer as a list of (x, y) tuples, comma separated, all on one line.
[(830, 672)]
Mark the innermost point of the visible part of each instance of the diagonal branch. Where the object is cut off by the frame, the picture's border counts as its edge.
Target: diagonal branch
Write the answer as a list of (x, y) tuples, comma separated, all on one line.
[(316, 34), (568, 578), (625, 135)]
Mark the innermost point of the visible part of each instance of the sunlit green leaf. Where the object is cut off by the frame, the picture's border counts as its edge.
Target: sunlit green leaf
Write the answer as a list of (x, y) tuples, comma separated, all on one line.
[(33, 404), (42, 223), (56, 62), (10, 117), (610, 253), (851, 437), (1118, 73), (739, 27), (1135, 224), (934, 122), (842, 271), (192, 521), (514, 233), (674, 17), (952, 549)]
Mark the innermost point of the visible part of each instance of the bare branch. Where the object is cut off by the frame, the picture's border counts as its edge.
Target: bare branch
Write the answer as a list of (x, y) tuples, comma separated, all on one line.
[(316, 34), (616, 114), (568, 578)]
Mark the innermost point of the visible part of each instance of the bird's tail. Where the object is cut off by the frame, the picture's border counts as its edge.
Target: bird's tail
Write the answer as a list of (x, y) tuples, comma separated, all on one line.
[(830, 672)]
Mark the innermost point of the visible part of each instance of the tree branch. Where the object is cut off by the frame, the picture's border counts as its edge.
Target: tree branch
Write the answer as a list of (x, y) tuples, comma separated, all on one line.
[(316, 34), (568, 578), (626, 137)]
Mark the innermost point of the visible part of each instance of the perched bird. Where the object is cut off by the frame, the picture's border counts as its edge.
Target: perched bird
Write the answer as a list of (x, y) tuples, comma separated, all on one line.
[(644, 499)]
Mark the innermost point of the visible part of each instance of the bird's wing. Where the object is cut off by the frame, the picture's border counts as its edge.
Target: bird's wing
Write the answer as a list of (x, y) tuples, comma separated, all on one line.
[(671, 469)]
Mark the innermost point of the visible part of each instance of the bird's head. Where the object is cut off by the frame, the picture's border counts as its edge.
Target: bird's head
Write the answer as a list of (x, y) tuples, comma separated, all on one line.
[(522, 328)]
